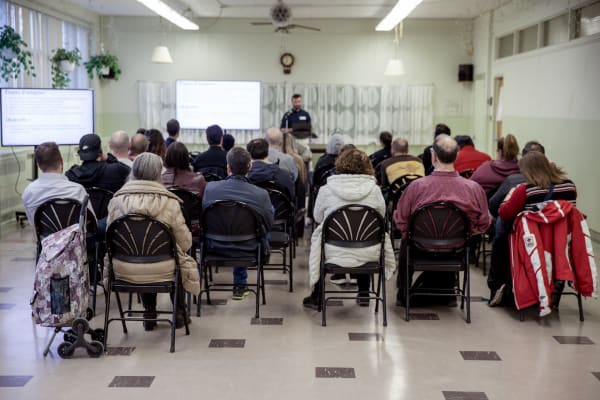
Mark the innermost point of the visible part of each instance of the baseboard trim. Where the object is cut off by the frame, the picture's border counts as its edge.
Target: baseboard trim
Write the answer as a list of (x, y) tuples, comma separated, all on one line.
[(595, 236)]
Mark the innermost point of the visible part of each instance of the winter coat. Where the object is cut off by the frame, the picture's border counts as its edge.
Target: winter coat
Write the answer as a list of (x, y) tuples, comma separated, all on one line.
[(110, 174), (550, 245), (152, 199), (491, 174), (339, 191)]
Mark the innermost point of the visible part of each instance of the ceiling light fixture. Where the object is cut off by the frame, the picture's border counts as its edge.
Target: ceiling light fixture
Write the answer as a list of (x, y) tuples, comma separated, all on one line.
[(169, 14), (161, 55), (395, 67), (400, 11)]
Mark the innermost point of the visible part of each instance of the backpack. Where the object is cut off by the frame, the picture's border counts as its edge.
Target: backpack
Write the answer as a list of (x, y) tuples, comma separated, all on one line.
[(61, 284)]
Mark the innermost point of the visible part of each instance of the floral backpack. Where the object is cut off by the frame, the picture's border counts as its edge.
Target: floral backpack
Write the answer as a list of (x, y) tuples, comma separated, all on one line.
[(61, 284)]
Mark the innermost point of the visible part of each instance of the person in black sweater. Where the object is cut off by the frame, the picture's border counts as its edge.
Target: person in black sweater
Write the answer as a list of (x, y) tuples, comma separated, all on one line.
[(213, 160), (426, 156)]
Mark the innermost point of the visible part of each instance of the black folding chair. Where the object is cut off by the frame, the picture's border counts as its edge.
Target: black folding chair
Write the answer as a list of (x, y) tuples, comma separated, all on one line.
[(438, 240), (232, 236), (354, 226), (99, 198), (394, 191), (318, 181), (208, 177), (213, 170), (282, 235), (141, 240), (57, 214)]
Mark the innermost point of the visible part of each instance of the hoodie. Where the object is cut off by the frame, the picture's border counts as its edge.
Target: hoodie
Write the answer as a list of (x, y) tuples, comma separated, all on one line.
[(491, 174), (262, 171), (110, 175), (339, 191)]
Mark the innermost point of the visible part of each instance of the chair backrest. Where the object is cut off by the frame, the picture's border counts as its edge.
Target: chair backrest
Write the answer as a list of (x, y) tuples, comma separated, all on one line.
[(400, 184), (99, 198), (353, 226), (230, 221), (467, 173), (213, 170), (192, 205), (439, 228), (208, 177), (282, 205), (140, 239)]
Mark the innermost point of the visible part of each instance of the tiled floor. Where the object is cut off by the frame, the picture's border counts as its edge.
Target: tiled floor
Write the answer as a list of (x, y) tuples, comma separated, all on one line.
[(288, 355)]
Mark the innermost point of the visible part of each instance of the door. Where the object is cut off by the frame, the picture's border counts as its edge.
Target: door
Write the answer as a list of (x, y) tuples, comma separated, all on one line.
[(498, 85)]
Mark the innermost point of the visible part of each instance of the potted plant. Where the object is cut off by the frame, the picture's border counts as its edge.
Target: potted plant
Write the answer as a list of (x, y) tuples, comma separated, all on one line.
[(106, 66), (14, 55), (63, 63)]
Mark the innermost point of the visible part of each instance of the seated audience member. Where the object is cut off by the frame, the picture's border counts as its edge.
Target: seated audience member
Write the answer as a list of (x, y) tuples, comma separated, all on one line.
[(512, 180), (444, 184), (263, 171), (141, 131), (51, 184), (173, 131), (97, 169), (491, 174), (327, 161), (144, 194), (119, 146), (289, 147), (228, 142), (237, 188), (354, 184), (544, 181), (139, 145), (347, 147), (468, 158), (440, 129), (385, 139), (401, 163), (178, 172), (276, 156), (156, 143), (213, 160)]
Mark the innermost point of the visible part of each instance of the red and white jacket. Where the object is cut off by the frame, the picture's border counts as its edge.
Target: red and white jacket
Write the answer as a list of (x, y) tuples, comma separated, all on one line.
[(549, 245)]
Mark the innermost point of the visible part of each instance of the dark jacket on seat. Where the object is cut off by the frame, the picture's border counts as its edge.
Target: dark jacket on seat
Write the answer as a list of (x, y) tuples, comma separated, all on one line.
[(324, 164), (212, 161), (110, 174), (263, 172)]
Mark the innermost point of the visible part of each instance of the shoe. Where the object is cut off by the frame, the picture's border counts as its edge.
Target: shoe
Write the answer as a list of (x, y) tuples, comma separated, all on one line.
[(337, 279), (545, 311), (362, 301), (352, 281), (180, 321), (240, 292), (311, 302), (498, 296)]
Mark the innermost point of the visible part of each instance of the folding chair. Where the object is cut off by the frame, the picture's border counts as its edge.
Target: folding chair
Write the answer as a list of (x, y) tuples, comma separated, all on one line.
[(99, 198), (438, 240), (354, 226), (141, 240)]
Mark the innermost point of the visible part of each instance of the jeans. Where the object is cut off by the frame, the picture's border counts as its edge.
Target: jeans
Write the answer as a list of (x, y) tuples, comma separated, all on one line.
[(240, 276), (499, 273)]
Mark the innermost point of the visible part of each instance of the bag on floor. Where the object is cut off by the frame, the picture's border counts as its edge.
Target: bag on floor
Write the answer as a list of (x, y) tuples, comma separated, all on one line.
[(61, 284)]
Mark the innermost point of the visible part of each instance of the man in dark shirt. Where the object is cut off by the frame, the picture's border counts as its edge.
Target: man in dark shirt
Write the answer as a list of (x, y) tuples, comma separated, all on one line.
[(264, 171), (294, 115), (173, 131), (426, 157), (385, 139), (97, 169), (213, 160), (237, 187)]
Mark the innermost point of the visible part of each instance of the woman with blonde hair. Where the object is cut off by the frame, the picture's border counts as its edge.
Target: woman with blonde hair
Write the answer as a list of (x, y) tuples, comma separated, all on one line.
[(289, 147), (491, 174)]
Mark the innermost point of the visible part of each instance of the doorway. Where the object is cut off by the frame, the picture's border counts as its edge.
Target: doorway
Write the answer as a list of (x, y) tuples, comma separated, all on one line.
[(498, 114)]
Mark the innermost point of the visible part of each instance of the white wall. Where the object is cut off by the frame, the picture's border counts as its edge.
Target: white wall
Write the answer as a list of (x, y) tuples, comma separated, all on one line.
[(348, 51)]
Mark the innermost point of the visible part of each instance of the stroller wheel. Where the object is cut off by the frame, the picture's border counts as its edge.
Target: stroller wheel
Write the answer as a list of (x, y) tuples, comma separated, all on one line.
[(95, 349), (64, 350), (70, 336), (89, 314), (80, 326), (98, 335)]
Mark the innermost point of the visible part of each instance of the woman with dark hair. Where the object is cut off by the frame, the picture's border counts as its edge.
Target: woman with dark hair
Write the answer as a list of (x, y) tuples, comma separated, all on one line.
[(491, 174), (544, 181), (354, 184), (156, 143), (178, 172)]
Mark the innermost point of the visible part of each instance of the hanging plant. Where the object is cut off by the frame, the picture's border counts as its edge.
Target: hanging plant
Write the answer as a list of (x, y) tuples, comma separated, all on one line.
[(106, 66), (14, 55), (63, 63)]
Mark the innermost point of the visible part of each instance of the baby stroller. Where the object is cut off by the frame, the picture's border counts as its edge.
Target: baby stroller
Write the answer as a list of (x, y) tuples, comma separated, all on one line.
[(61, 284)]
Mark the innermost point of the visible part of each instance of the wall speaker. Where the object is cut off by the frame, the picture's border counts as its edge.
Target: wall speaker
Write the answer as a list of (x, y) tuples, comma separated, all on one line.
[(465, 73)]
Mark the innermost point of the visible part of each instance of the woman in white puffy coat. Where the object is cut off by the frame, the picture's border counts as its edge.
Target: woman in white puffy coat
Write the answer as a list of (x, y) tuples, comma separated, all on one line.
[(354, 183)]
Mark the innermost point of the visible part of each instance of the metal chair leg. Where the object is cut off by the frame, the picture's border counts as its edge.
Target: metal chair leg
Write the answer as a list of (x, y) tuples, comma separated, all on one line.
[(106, 312), (580, 307), (121, 314), (383, 297), (323, 302), (372, 276), (468, 290), (173, 319), (407, 293)]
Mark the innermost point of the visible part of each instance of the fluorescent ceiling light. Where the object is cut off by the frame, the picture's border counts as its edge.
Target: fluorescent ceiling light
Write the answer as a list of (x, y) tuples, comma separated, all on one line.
[(400, 11), (169, 14)]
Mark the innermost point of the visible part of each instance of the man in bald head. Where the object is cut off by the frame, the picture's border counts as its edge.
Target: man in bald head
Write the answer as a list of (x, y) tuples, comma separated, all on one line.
[(119, 147), (399, 164), (444, 184), (139, 145)]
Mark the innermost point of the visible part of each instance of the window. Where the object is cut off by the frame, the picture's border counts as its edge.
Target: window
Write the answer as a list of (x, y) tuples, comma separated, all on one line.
[(528, 39), (588, 20), (556, 30), (506, 46)]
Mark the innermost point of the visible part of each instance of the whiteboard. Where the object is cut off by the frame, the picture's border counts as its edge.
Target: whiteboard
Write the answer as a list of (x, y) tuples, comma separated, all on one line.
[(229, 104), (34, 116)]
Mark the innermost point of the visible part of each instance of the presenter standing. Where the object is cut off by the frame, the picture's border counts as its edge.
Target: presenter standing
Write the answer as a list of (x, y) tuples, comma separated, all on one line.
[(295, 115)]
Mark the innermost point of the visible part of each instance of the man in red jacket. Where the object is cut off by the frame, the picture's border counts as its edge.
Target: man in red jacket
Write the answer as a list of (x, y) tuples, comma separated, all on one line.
[(468, 158)]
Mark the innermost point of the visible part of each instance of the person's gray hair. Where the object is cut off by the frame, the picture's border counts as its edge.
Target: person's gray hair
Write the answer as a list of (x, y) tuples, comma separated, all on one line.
[(147, 167), (274, 136), (335, 144)]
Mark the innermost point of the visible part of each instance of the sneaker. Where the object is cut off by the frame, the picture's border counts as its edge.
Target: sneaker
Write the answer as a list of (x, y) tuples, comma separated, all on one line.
[(352, 281), (545, 311), (240, 292), (311, 302), (362, 301), (337, 279), (497, 298)]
